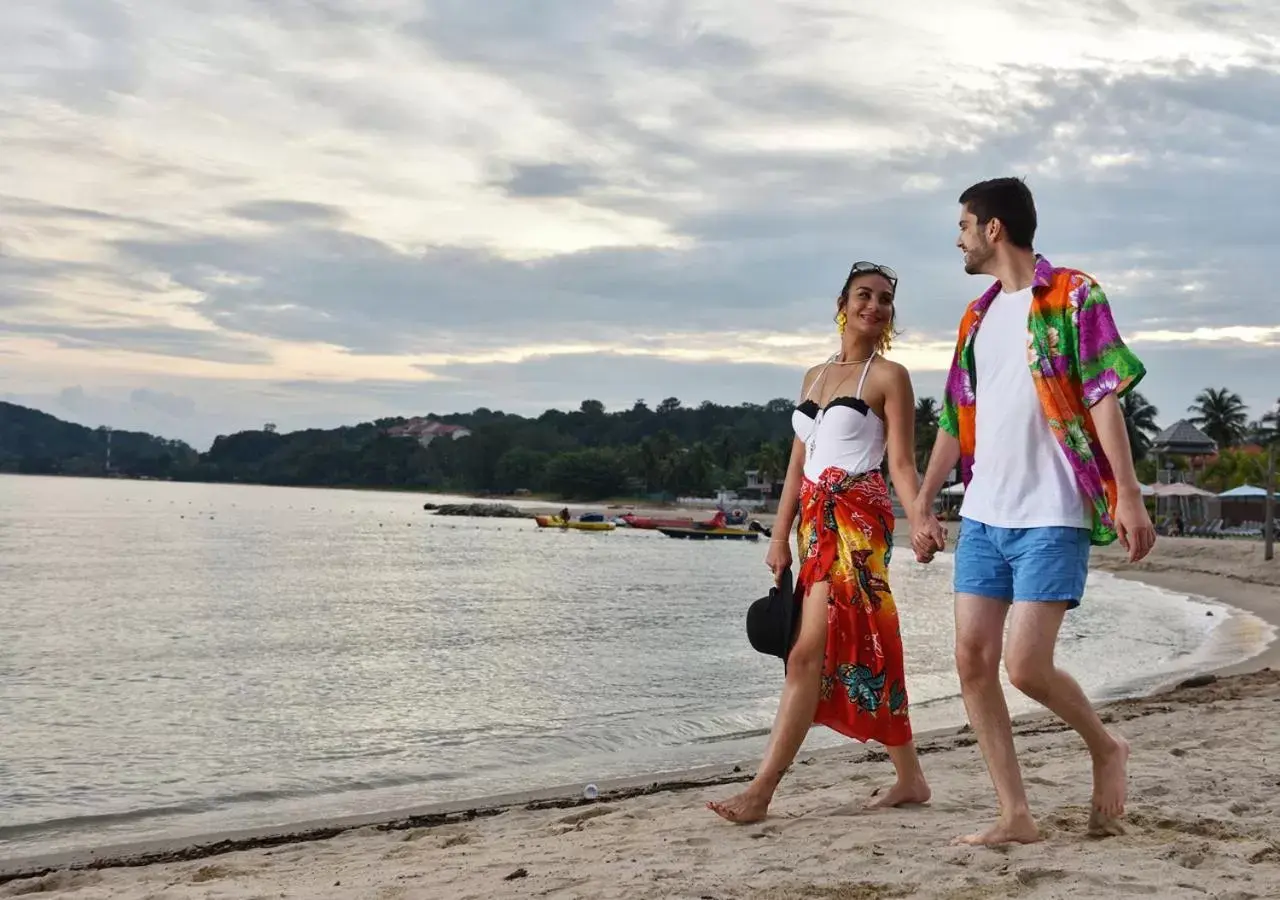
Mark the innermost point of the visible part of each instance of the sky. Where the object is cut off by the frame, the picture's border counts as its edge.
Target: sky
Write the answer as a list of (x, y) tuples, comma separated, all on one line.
[(321, 212)]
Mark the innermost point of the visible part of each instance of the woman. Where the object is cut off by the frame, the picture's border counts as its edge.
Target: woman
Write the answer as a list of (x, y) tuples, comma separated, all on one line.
[(845, 668)]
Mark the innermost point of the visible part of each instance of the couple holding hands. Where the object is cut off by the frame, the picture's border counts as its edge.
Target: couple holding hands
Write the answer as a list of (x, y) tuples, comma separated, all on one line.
[(1047, 471)]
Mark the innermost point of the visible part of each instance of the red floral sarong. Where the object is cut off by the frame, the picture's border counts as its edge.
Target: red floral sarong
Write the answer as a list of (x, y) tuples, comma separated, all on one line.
[(846, 539)]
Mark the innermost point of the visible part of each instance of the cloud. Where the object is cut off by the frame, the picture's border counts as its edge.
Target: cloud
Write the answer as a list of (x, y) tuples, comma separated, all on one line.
[(161, 341), (287, 212), (174, 405), (368, 204), (547, 180)]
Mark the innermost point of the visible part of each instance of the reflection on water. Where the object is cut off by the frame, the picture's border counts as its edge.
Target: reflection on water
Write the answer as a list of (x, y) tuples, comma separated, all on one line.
[(185, 658)]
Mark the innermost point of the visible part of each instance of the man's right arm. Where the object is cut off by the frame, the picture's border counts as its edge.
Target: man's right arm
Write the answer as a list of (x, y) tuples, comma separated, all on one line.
[(946, 445), (943, 459), (929, 535)]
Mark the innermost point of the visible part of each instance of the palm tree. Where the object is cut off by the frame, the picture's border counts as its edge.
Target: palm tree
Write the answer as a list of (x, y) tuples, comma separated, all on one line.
[(1140, 422), (771, 463), (1233, 468), (1221, 414), (1267, 429), (926, 429), (1259, 432)]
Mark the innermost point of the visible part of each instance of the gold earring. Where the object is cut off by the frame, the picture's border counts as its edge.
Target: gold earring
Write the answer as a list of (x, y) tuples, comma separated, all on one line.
[(842, 319)]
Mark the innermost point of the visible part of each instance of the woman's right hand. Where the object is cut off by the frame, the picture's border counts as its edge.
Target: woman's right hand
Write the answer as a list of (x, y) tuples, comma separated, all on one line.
[(778, 559)]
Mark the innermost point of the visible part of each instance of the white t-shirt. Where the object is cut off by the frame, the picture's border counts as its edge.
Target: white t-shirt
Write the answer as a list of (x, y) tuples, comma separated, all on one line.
[(1021, 476)]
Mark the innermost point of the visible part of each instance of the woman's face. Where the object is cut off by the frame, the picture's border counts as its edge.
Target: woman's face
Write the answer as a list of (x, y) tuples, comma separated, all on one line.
[(869, 305)]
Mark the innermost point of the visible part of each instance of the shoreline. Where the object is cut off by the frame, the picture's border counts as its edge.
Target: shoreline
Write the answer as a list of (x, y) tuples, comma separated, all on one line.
[(1257, 594)]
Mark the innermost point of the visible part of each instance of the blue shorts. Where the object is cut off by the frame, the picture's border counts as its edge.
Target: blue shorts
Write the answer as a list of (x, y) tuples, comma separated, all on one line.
[(1044, 564)]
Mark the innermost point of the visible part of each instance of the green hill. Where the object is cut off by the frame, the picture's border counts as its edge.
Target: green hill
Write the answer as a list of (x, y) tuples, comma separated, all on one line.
[(586, 454), (33, 442)]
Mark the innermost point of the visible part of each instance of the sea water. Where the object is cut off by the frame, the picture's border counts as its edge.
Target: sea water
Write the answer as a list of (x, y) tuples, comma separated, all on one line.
[(180, 659)]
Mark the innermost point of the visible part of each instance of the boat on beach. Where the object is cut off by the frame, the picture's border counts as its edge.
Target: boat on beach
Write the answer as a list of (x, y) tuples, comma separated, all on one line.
[(711, 534), (571, 524), (651, 522)]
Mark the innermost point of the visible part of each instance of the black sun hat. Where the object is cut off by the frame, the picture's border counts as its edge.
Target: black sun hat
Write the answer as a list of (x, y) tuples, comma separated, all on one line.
[(771, 621)]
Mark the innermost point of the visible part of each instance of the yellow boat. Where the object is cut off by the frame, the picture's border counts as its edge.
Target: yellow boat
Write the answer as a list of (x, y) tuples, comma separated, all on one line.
[(557, 522)]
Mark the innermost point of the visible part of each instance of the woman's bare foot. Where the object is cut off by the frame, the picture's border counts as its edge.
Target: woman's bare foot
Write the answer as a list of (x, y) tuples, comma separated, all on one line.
[(1019, 829), (901, 794), (742, 809), (1103, 826), (1110, 782)]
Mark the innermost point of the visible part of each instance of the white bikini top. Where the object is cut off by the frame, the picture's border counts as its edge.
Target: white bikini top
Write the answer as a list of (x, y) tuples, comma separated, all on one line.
[(844, 434)]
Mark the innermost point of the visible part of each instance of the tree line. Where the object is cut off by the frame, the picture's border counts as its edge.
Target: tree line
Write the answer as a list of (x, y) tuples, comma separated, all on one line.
[(36, 443), (1222, 415), (666, 451)]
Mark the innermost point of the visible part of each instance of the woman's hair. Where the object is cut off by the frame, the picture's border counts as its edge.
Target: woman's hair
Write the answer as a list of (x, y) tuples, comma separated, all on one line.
[(890, 331)]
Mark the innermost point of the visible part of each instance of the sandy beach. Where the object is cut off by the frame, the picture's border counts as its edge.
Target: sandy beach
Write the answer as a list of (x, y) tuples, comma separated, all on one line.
[(1203, 815)]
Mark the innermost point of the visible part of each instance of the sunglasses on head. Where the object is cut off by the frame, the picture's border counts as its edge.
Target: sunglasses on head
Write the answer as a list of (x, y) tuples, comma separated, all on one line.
[(869, 268)]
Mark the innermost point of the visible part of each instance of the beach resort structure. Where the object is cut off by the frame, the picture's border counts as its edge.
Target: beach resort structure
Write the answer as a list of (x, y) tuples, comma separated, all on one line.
[(425, 430), (1180, 439)]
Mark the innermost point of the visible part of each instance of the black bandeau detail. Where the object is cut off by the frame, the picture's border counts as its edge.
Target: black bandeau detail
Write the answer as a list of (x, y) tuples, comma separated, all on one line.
[(810, 408)]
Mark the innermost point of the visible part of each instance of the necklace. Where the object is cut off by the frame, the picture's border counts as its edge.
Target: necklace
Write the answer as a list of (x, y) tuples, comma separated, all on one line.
[(812, 443)]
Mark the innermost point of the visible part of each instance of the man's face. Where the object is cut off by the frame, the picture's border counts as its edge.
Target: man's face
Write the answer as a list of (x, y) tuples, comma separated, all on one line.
[(973, 243)]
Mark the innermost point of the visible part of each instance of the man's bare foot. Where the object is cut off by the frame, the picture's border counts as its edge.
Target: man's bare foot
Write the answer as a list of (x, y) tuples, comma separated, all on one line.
[(1110, 783), (742, 809), (1016, 830), (901, 794)]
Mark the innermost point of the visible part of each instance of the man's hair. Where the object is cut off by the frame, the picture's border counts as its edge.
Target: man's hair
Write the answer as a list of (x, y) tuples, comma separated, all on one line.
[(1010, 201)]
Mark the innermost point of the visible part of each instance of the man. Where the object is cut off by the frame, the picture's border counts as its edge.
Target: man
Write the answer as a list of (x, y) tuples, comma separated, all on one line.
[(1032, 415)]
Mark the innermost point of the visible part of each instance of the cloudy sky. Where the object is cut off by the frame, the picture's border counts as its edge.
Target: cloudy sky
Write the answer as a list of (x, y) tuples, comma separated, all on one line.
[(316, 212)]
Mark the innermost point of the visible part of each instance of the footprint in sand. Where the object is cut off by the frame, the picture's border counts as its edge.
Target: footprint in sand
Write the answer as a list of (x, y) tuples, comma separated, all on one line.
[(445, 840), (56, 882), (1203, 828), (1187, 857), (1266, 854), (215, 873), (455, 840), (1035, 877), (591, 812)]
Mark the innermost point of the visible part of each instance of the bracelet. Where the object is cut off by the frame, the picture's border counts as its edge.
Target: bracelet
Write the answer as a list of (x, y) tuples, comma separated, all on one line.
[(780, 541)]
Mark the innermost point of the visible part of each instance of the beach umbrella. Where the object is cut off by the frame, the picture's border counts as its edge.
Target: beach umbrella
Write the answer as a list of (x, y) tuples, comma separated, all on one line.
[(1180, 489), (1244, 492), (1182, 495)]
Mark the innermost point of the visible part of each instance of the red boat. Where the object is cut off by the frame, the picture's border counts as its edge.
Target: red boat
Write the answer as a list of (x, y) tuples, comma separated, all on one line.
[(635, 521), (653, 522)]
